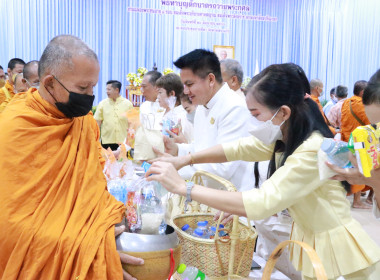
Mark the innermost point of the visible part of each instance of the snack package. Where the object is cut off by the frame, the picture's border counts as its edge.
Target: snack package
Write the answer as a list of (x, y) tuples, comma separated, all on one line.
[(367, 148)]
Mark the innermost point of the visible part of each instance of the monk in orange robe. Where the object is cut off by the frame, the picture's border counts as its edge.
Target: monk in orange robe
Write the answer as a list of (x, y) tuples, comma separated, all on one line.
[(316, 89), (353, 115), (15, 66), (57, 218), (2, 77)]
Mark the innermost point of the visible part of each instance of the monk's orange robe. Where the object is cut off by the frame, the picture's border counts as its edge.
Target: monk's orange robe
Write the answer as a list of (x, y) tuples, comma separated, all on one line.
[(349, 123), (316, 100), (56, 216), (4, 99)]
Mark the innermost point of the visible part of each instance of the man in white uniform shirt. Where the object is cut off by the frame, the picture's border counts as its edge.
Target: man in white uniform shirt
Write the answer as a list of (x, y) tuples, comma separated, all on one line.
[(219, 118), (232, 74), (150, 106)]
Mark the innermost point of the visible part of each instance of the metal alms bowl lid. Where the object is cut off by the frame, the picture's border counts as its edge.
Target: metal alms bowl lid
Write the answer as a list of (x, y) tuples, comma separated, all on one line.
[(134, 242)]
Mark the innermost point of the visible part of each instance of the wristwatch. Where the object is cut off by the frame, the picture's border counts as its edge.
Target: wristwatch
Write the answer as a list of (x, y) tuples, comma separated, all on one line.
[(189, 187)]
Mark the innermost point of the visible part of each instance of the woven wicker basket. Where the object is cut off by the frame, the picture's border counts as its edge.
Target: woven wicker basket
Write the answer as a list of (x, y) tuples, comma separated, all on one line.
[(317, 264), (217, 258)]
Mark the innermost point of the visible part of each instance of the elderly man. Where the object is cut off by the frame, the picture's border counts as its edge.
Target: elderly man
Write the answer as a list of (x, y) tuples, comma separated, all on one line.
[(15, 66), (232, 74), (316, 89), (30, 73), (57, 219), (151, 106)]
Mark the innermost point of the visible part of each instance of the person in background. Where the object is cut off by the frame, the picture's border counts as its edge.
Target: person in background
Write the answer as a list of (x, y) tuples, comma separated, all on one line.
[(232, 74), (189, 107), (15, 66), (220, 117), (170, 85), (2, 77), (371, 102), (57, 218), (335, 114), (353, 115), (333, 100), (30, 73), (290, 136), (110, 116), (150, 106), (19, 85), (316, 89)]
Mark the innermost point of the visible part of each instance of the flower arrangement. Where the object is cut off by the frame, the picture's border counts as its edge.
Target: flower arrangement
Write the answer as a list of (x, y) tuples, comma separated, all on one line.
[(141, 71), (136, 79), (167, 71)]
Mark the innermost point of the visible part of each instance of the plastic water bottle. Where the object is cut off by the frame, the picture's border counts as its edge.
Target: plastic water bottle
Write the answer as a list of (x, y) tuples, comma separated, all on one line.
[(213, 231), (203, 226), (191, 273), (198, 233), (337, 152), (162, 228), (186, 228)]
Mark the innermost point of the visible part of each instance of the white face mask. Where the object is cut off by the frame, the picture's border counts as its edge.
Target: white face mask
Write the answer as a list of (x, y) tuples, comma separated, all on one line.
[(334, 100), (267, 132), (190, 116)]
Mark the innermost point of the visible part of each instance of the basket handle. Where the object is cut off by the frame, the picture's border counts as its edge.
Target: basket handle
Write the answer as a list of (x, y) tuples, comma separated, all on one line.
[(234, 235), (317, 264)]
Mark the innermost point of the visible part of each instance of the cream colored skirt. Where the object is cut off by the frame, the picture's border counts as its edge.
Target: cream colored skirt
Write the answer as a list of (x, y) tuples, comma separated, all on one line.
[(369, 273)]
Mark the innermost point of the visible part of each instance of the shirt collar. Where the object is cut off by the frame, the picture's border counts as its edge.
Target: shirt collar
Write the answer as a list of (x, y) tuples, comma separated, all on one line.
[(216, 97)]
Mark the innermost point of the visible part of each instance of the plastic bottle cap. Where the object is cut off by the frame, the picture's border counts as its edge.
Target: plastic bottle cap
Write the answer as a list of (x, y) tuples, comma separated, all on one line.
[(181, 268), (198, 232), (327, 145), (202, 223), (185, 227), (213, 228), (221, 226)]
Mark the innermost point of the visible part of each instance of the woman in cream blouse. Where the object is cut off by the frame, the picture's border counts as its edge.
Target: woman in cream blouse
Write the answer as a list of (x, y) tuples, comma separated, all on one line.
[(290, 135)]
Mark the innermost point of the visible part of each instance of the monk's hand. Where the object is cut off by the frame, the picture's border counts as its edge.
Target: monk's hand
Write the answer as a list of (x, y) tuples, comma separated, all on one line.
[(167, 175), (225, 219), (127, 259), (170, 146)]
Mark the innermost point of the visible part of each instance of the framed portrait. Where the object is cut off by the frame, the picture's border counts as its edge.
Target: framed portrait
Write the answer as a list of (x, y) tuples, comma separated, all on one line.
[(223, 52)]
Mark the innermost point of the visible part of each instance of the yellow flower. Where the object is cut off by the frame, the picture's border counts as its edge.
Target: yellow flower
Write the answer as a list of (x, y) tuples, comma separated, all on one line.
[(167, 71)]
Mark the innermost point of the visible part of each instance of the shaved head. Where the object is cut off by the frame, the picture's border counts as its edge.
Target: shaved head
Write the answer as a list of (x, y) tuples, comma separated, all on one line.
[(59, 53), (30, 69), (18, 83)]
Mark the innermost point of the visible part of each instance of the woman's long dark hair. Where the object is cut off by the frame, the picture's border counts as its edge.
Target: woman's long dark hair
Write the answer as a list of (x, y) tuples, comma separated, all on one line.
[(287, 84)]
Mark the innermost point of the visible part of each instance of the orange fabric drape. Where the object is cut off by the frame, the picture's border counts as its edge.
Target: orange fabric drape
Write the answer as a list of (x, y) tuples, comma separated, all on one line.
[(56, 216), (316, 100), (3, 98), (349, 123)]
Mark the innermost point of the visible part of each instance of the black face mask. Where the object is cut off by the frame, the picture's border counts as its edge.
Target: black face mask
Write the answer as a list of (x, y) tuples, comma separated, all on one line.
[(78, 104)]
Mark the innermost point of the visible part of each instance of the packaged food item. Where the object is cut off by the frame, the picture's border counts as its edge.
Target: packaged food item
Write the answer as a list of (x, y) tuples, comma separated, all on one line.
[(367, 148)]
